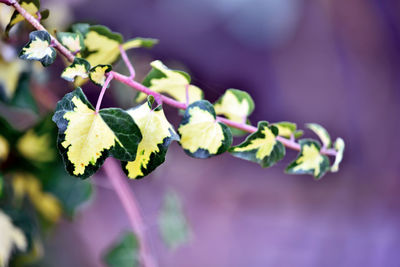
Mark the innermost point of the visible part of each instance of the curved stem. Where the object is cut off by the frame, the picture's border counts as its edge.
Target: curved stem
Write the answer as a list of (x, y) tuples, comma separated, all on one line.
[(158, 97), (128, 201), (110, 76), (128, 64)]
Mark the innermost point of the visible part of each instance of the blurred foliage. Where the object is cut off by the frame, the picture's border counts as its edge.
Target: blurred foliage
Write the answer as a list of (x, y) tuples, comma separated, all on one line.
[(172, 222), (124, 253)]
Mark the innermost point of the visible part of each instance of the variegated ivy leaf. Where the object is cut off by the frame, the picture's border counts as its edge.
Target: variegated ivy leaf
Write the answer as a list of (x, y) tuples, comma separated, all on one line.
[(261, 147), (102, 45), (73, 41), (4, 148), (38, 48), (36, 147), (157, 134), (98, 74), (202, 136), (11, 236), (339, 147), (139, 42), (32, 7), (236, 105), (25, 184), (321, 132), (87, 138), (288, 129), (163, 80), (80, 67), (309, 160)]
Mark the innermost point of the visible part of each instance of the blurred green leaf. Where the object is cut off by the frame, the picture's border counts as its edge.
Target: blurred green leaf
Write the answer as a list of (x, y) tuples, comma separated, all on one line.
[(72, 193), (172, 222), (23, 97), (124, 253)]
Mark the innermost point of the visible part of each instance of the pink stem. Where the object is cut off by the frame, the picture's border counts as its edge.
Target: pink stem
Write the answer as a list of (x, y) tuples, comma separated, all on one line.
[(158, 97), (127, 62), (187, 94), (103, 90), (128, 201), (242, 126)]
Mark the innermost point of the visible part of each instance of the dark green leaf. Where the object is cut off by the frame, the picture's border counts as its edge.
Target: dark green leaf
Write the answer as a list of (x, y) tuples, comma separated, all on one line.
[(124, 253)]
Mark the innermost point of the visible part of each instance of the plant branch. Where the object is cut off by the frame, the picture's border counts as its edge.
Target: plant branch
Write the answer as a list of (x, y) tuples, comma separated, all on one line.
[(128, 201), (158, 97), (110, 76), (292, 144), (127, 62)]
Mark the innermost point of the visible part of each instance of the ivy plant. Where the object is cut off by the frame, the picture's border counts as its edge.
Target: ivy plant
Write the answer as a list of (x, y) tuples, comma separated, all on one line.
[(138, 138)]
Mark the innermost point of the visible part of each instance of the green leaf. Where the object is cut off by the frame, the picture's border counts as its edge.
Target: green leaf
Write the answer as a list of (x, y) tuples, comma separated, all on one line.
[(139, 42), (72, 193), (124, 253), (288, 129), (38, 48), (261, 147), (86, 139), (82, 28), (80, 67), (201, 135), (44, 14), (321, 132), (98, 74), (102, 45), (31, 6), (73, 41), (157, 134), (23, 96), (339, 147), (309, 160), (172, 222), (163, 80), (7, 131)]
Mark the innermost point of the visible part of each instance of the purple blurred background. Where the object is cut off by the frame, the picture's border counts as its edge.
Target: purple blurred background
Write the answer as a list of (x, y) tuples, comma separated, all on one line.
[(336, 63)]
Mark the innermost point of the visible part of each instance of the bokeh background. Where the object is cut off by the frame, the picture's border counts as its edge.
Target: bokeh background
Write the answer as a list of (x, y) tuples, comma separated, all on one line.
[(333, 62)]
